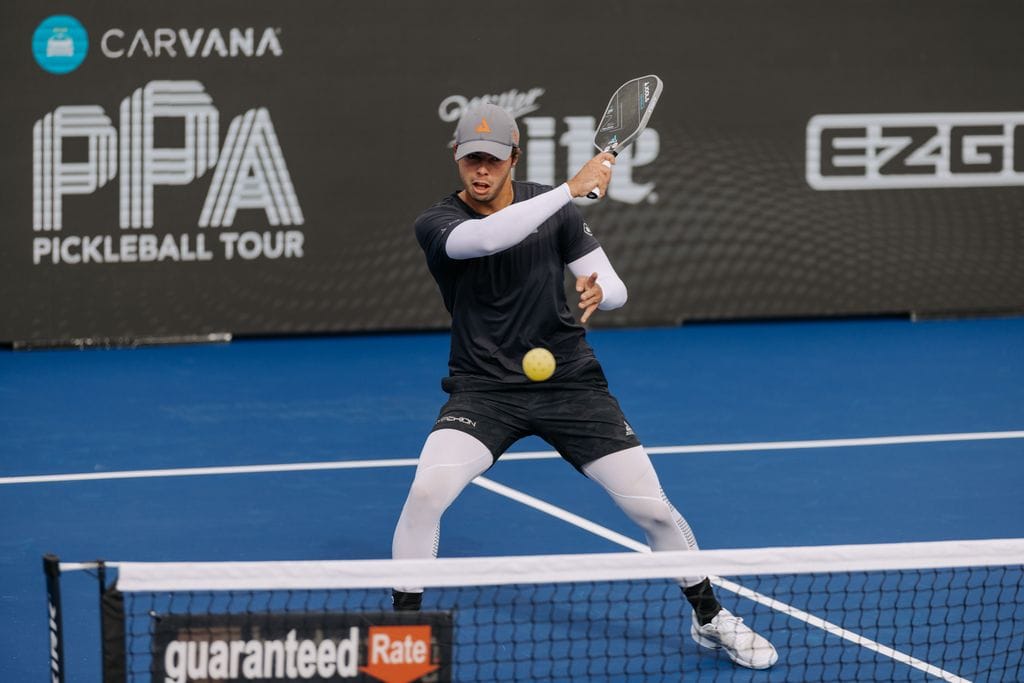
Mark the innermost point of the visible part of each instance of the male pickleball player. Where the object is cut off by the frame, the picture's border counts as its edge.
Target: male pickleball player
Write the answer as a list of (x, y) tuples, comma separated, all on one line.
[(498, 250)]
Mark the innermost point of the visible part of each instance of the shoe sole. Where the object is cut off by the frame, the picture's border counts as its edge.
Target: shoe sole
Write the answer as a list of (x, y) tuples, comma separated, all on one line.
[(710, 644)]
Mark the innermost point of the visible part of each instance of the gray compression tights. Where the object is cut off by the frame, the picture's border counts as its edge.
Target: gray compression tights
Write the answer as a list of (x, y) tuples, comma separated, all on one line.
[(451, 459)]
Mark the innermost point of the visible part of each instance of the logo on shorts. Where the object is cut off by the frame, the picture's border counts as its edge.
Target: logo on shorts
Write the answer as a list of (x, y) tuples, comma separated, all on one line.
[(456, 418)]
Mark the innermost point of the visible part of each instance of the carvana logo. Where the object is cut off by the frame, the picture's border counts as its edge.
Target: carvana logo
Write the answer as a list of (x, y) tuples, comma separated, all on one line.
[(60, 44)]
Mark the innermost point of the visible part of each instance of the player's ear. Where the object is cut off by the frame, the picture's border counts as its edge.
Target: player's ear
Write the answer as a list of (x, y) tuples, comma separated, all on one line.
[(515, 155)]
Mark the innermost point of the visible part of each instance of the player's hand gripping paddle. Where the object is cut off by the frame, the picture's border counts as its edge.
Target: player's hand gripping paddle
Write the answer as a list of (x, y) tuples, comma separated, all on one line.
[(626, 116)]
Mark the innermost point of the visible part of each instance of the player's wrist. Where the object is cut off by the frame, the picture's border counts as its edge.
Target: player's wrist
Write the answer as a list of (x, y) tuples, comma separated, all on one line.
[(579, 187)]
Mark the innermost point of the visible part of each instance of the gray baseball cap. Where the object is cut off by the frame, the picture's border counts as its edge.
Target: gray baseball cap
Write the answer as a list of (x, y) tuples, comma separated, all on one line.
[(486, 128)]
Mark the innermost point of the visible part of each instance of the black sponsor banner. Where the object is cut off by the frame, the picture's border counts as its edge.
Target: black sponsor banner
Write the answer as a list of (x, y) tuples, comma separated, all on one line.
[(358, 646), (255, 167)]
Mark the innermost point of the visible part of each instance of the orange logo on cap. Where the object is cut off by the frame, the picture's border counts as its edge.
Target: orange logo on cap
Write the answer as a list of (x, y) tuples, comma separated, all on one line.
[(483, 127), (398, 654)]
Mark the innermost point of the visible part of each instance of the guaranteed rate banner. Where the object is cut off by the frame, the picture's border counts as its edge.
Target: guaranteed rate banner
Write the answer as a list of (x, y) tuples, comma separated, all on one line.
[(378, 647), (190, 168)]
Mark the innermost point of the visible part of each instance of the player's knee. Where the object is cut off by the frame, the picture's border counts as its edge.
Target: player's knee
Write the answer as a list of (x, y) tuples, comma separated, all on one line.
[(651, 515), (425, 498)]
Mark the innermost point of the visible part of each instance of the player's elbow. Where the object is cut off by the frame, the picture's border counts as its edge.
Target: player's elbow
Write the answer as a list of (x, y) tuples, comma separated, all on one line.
[(473, 242), (470, 240), (491, 242)]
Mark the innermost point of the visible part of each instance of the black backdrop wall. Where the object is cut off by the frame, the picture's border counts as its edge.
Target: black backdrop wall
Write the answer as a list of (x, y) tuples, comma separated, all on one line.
[(255, 166)]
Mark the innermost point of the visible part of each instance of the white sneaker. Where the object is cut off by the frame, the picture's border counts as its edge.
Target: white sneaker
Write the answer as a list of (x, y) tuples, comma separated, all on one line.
[(743, 646)]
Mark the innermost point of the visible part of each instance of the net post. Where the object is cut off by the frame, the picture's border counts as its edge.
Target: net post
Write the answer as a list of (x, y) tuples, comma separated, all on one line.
[(51, 568), (112, 629)]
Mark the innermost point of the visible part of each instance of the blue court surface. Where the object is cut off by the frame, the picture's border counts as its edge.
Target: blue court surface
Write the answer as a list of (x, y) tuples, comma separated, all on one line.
[(764, 434)]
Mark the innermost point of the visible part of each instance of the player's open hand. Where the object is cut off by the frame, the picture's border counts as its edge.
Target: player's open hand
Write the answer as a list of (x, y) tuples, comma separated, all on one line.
[(596, 173), (591, 294)]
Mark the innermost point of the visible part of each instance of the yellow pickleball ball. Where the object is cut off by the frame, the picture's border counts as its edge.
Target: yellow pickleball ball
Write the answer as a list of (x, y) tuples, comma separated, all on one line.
[(538, 364)]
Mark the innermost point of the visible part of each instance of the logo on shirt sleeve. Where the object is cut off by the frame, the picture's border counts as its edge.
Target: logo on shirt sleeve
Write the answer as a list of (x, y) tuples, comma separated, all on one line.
[(586, 229)]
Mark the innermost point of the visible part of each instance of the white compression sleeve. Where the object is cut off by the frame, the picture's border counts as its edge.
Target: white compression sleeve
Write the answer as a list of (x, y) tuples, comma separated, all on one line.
[(450, 459), (506, 228), (629, 478), (612, 286)]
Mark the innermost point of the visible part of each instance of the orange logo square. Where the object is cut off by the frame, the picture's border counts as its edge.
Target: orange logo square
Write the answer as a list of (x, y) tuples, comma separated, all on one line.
[(398, 654)]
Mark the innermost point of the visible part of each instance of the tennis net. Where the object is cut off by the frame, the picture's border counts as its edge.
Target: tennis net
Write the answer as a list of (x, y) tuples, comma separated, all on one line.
[(916, 611)]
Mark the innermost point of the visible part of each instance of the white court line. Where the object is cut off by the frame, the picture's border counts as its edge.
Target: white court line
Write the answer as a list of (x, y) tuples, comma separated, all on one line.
[(527, 455), (789, 610), (209, 471), (796, 445), (561, 513)]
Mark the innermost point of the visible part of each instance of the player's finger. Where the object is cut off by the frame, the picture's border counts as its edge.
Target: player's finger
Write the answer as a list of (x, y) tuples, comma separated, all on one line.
[(581, 283), (593, 295), (586, 313), (592, 280)]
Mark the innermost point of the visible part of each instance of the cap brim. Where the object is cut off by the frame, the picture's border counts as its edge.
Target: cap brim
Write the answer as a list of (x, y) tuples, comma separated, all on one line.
[(495, 149)]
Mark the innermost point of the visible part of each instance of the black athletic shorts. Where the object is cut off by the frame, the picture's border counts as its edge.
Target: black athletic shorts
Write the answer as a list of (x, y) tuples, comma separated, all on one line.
[(582, 424)]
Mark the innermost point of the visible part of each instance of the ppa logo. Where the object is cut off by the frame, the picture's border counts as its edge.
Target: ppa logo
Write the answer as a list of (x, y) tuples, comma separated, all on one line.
[(399, 654), (249, 169), (542, 136)]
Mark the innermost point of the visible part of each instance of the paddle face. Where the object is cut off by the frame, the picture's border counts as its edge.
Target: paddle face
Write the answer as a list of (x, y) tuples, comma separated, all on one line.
[(627, 113)]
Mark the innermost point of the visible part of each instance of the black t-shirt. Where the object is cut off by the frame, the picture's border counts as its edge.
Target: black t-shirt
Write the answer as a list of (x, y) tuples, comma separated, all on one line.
[(507, 303)]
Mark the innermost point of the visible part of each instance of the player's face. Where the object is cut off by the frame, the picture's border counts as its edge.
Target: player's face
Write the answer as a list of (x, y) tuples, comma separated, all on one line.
[(485, 177)]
